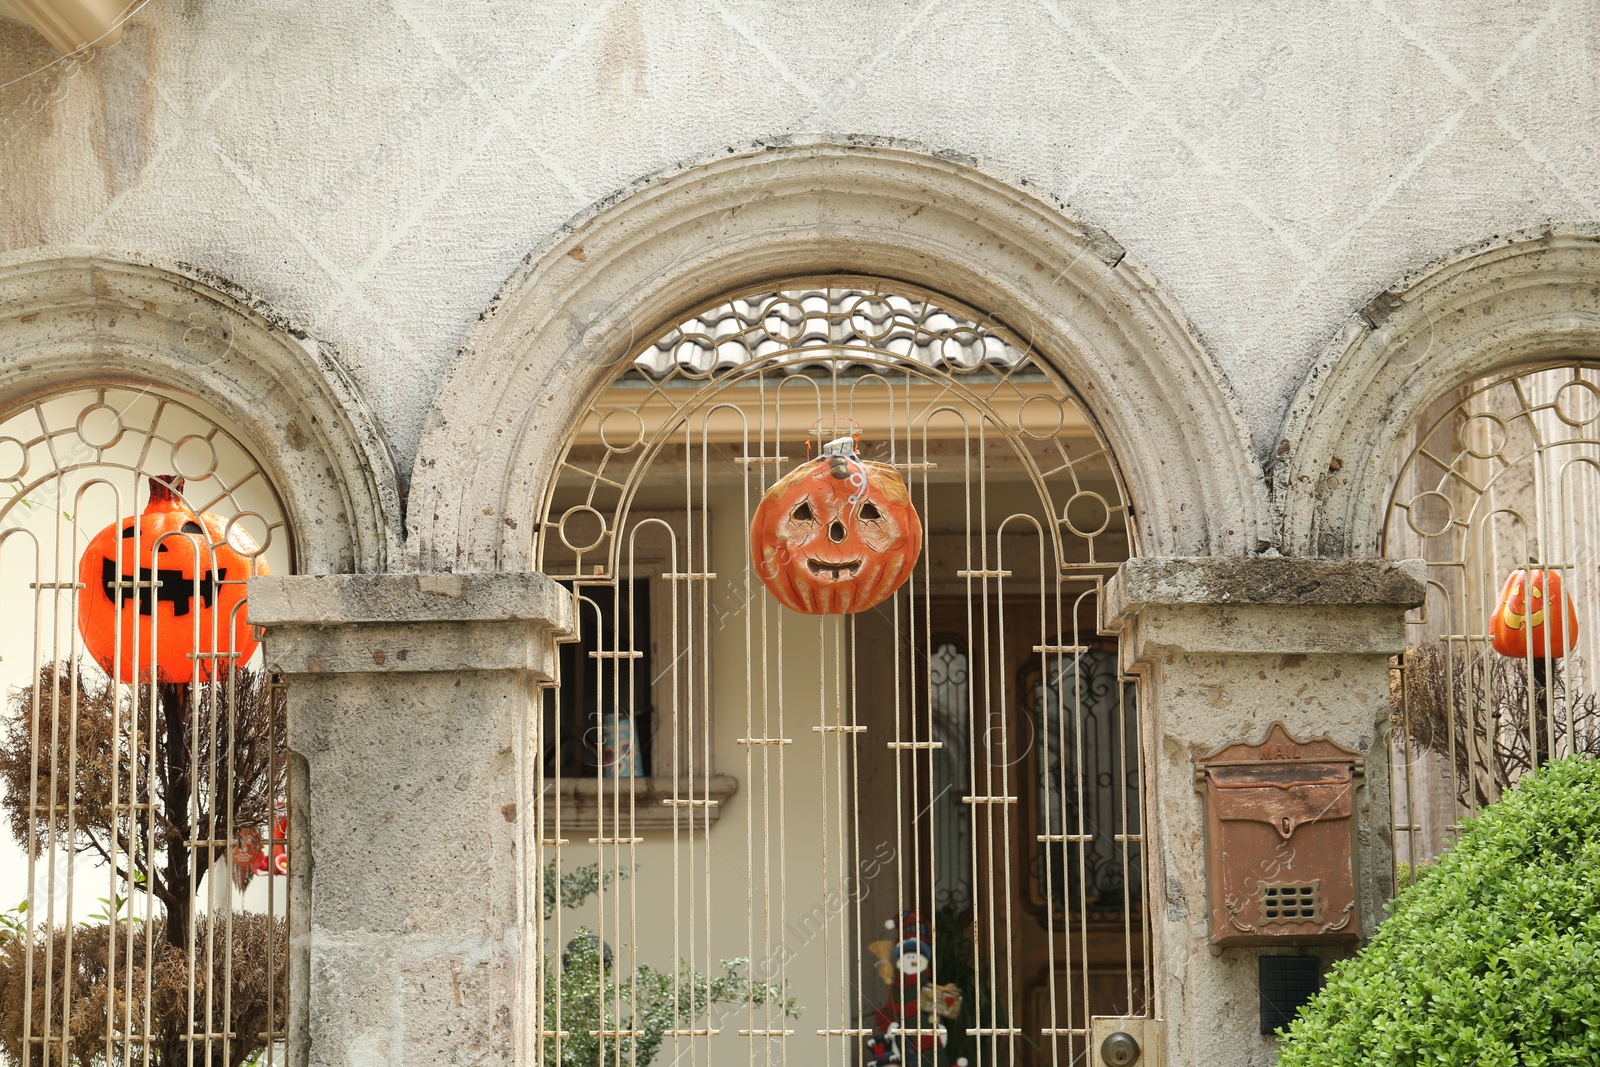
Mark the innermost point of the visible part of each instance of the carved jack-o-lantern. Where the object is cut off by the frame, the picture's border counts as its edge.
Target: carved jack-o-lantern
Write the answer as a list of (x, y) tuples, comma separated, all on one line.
[(837, 535), (160, 590), (1534, 617)]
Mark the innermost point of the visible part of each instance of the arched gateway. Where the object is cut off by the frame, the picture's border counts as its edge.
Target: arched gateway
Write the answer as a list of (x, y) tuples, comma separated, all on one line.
[(751, 781), (969, 749), (636, 756), (164, 439)]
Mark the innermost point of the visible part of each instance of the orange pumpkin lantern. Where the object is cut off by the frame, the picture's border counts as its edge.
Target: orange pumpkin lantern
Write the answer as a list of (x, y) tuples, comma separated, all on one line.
[(837, 535), (175, 588), (1534, 617)]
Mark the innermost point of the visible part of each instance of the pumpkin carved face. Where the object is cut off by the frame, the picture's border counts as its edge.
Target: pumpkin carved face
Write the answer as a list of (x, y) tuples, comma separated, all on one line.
[(837, 535), (1534, 617), (160, 590)]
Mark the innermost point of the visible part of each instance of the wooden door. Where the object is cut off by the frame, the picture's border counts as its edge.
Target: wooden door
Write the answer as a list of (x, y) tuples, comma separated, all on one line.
[(1039, 934)]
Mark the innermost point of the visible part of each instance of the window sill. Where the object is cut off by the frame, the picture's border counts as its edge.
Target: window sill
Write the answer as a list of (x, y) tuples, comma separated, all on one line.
[(652, 799)]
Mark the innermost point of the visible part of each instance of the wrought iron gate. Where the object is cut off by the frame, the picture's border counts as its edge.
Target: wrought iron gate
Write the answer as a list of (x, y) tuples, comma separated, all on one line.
[(737, 798), (1500, 493), (142, 751)]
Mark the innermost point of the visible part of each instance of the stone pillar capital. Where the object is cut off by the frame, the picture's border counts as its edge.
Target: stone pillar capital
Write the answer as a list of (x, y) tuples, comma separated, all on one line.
[(1266, 605), (399, 623)]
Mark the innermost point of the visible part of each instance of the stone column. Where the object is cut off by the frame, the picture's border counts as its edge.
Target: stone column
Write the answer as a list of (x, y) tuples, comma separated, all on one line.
[(1226, 647), (410, 701)]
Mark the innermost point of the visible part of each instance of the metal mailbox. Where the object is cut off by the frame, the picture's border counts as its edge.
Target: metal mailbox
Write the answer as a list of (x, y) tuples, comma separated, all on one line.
[(1280, 840)]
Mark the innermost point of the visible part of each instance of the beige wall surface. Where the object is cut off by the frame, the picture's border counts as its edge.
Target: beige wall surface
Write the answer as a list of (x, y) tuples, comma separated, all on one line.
[(377, 171)]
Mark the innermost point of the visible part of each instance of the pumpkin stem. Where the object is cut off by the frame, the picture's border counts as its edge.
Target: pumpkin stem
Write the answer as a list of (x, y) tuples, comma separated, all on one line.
[(165, 490), (840, 446)]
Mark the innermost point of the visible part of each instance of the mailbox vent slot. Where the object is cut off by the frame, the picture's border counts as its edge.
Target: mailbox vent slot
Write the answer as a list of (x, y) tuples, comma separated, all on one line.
[(1291, 902)]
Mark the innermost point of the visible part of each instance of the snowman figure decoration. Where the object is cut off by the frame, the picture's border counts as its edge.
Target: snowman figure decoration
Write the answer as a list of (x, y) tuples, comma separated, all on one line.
[(907, 1029)]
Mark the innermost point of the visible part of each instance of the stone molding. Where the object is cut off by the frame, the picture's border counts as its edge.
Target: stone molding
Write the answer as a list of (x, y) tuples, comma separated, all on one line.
[(1509, 303), (645, 799), (1263, 605), (78, 316), (408, 623), (1150, 580), (634, 265)]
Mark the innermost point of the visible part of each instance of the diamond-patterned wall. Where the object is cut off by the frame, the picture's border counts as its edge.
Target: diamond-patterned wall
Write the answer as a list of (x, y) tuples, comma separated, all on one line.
[(377, 170)]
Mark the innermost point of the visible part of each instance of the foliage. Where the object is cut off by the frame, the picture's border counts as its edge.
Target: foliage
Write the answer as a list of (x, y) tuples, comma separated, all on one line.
[(589, 995), (1490, 960), (13, 922), (576, 886), (236, 987), (1407, 873), (1498, 718), (612, 1017)]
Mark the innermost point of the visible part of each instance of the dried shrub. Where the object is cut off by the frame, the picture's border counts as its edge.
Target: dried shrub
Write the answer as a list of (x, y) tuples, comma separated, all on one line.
[(1495, 719), (183, 758), (151, 1029), (193, 764)]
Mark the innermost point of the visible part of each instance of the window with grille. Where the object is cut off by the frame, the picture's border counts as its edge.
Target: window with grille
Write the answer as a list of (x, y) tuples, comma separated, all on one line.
[(1088, 786), (589, 729)]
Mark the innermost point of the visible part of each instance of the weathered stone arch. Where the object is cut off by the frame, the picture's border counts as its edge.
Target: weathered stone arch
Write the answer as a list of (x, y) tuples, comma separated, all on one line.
[(1512, 301), (79, 316), (632, 265)]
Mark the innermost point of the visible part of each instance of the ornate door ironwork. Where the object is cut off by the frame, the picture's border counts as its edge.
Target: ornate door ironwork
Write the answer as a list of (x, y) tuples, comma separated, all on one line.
[(810, 778)]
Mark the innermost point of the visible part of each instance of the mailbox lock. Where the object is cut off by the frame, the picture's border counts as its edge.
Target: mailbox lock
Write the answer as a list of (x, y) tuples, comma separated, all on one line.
[(1119, 1050)]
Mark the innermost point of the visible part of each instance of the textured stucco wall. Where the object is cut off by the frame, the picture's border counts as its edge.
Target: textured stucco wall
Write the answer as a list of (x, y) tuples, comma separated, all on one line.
[(378, 170)]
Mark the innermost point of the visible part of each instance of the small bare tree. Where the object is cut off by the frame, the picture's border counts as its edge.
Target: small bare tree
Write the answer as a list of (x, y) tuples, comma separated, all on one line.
[(1494, 717)]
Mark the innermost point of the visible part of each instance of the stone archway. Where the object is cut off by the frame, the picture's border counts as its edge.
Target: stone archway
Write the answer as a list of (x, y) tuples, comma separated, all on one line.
[(622, 273), (1510, 302), (77, 316), (174, 377)]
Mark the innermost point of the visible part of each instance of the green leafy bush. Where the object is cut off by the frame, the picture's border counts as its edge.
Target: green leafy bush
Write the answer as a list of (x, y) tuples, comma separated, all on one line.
[(1492, 959), (607, 1016), (594, 997)]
